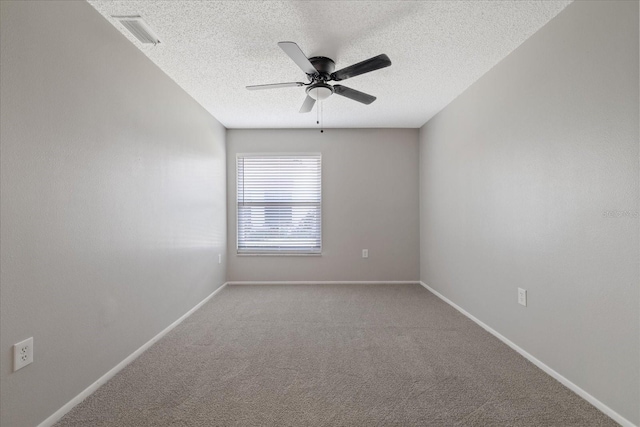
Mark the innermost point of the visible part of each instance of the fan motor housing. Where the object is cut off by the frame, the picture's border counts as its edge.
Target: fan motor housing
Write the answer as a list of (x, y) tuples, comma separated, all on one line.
[(324, 65)]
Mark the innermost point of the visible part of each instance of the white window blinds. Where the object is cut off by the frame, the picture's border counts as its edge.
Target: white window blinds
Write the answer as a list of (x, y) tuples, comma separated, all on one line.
[(279, 204)]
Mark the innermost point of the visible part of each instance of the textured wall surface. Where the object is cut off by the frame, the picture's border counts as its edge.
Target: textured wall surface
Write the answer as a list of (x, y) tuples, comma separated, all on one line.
[(369, 201), (113, 202), (530, 179)]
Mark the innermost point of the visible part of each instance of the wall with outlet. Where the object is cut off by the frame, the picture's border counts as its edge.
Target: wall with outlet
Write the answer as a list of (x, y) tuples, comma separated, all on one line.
[(113, 203), (22, 354), (529, 179), (369, 198)]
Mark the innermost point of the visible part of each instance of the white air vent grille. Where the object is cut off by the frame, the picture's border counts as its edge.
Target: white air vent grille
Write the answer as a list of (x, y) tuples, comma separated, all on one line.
[(139, 28)]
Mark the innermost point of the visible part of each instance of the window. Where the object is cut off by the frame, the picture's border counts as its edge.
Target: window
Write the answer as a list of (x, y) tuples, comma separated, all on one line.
[(279, 204)]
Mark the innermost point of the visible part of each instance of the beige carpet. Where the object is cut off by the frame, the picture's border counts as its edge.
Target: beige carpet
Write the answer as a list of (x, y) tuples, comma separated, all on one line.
[(331, 355)]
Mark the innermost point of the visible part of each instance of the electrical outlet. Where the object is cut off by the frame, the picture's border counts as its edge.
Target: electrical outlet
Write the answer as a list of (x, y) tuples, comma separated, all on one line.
[(522, 296), (219, 258), (365, 253), (22, 354)]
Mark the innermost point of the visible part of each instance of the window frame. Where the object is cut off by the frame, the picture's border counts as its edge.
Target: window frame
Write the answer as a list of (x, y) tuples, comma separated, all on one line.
[(277, 252)]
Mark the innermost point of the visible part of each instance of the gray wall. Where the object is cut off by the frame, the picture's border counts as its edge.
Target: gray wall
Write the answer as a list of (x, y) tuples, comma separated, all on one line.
[(113, 202), (370, 201), (519, 178)]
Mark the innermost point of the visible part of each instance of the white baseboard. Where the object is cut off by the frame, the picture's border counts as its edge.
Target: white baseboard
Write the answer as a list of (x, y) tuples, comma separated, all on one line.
[(571, 386), (56, 416), (330, 282)]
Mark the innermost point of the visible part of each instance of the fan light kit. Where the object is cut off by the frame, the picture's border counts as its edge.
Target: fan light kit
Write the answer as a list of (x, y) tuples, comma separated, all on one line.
[(319, 91), (319, 71)]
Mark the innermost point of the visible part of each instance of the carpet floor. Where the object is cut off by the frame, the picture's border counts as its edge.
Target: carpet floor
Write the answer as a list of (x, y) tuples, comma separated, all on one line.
[(331, 355)]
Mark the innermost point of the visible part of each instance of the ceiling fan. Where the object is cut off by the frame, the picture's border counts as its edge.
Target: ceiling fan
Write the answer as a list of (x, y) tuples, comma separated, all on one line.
[(319, 71)]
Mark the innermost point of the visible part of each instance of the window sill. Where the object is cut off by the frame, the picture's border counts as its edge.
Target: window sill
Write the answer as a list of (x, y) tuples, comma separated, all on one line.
[(279, 254)]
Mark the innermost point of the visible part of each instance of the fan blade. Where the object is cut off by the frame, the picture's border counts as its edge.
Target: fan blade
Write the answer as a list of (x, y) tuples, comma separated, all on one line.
[(365, 66), (275, 85), (301, 60), (307, 105), (356, 95)]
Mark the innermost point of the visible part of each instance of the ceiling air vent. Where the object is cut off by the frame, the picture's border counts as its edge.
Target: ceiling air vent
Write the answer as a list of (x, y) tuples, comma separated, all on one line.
[(139, 28)]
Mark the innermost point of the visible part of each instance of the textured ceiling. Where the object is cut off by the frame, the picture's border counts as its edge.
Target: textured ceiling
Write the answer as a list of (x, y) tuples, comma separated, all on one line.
[(213, 49)]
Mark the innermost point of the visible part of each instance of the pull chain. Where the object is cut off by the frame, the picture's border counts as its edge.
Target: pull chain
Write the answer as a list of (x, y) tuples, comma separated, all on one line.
[(321, 117)]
